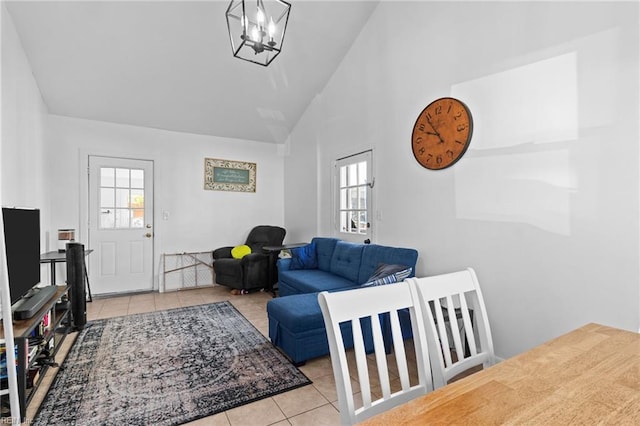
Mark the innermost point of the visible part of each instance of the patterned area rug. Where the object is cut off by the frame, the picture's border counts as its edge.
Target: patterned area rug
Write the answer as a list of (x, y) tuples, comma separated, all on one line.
[(165, 368)]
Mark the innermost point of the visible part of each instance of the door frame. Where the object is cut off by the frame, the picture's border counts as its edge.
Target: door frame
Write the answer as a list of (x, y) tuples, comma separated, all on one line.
[(83, 179), (336, 232)]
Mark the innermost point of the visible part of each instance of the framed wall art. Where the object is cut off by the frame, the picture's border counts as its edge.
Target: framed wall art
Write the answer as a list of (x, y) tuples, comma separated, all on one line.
[(229, 175)]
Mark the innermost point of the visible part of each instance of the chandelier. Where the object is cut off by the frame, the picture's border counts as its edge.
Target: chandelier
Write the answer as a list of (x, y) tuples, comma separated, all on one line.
[(256, 29)]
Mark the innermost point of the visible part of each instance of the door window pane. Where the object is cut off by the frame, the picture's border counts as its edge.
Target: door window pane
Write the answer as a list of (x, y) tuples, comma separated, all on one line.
[(137, 199), (137, 221), (107, 197), (122, 178), (107, 176), (121, 198), (137, 178), (362, 173), (353, 198), (352, 173), (122, 218), (362, 198)]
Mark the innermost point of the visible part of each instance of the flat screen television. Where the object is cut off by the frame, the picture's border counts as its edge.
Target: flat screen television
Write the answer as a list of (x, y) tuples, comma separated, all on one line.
[(22, 242)]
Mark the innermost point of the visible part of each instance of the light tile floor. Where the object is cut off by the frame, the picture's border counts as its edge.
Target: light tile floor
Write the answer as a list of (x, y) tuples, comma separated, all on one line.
[(315, 404)]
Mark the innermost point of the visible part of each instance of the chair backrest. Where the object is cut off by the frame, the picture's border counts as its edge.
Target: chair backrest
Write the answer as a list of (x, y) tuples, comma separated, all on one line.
[(454, 346), (265, 235), (368, 315)]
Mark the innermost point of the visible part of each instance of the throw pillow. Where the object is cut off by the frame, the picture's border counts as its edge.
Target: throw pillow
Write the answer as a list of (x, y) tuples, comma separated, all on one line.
[(238, 252), (388, 274), (304, 257)]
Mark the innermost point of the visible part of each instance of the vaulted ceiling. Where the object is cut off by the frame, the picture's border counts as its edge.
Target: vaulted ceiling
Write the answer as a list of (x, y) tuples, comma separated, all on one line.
[(168, 64)]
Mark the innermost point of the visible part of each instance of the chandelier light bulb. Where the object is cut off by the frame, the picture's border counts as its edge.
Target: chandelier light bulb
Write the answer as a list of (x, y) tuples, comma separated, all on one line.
[(272, 28), (260, 17), (243, 22), (255, 34)]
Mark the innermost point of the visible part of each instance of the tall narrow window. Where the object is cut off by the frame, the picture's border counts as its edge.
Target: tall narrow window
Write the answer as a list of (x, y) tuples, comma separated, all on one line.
[(353, 191), (121, 198)]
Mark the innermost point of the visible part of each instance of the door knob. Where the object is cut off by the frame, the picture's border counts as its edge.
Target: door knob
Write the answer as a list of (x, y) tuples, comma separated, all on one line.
[(148, 235), (148, 225)]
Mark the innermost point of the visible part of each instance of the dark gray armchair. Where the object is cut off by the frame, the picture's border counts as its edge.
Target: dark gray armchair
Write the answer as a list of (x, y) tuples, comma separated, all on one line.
[(253, 270)]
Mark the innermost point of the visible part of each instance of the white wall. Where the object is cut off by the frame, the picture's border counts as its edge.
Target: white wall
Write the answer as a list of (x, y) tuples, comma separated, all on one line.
[(23, 130), (44, 159), (545, 204), (22, 177), (199, 220)]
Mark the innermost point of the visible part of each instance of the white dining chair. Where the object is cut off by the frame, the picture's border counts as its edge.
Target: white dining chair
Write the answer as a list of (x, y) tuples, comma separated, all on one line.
[(456, 324), (378, 307)]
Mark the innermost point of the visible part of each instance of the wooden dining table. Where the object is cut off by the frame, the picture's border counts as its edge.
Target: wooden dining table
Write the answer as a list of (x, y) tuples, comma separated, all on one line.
[(588, 376)]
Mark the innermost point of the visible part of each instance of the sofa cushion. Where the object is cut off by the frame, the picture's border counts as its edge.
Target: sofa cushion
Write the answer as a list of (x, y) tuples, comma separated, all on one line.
[(345, 261), (312, 280), (388, 274), (304, 257), (324, 251), (373, 255), (298, 313), (297, 327)]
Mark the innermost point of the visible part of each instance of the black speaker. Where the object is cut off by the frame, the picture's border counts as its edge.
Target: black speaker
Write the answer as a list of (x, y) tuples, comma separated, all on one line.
[(75, 281)]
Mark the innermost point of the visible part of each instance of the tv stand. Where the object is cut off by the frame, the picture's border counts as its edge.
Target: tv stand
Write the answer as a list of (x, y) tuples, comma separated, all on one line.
[(32, 303), (38, 339)]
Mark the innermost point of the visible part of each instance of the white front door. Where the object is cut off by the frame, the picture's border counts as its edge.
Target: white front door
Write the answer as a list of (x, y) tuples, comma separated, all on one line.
[(120, 224)]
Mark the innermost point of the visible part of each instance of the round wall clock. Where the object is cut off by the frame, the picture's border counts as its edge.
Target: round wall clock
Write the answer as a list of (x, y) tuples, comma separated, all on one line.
[(442, 133)]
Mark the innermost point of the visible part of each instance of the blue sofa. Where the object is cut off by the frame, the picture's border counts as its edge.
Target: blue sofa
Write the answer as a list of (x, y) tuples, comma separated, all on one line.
[(341, 265), (296, 325)]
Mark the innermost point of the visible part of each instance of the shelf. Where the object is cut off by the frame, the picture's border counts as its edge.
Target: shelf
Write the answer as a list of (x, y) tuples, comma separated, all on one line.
[(50, 338), (26, 326)]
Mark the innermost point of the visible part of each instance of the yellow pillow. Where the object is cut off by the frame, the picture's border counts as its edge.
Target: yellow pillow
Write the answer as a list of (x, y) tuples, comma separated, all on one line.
[(238, 252)]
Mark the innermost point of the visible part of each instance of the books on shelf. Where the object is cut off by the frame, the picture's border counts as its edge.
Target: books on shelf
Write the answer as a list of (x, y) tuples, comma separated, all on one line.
[(36, 343), (3, 360)]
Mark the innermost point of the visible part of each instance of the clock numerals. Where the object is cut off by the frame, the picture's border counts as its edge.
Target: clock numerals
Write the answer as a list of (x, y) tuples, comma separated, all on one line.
[(438, 159)]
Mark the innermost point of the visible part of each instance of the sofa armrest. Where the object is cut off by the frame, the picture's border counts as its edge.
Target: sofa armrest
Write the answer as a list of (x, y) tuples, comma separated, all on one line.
[(283, 264), (222, 253)]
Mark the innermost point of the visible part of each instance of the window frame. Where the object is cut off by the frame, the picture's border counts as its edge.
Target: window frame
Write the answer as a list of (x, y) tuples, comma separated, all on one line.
[(129, 208)]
